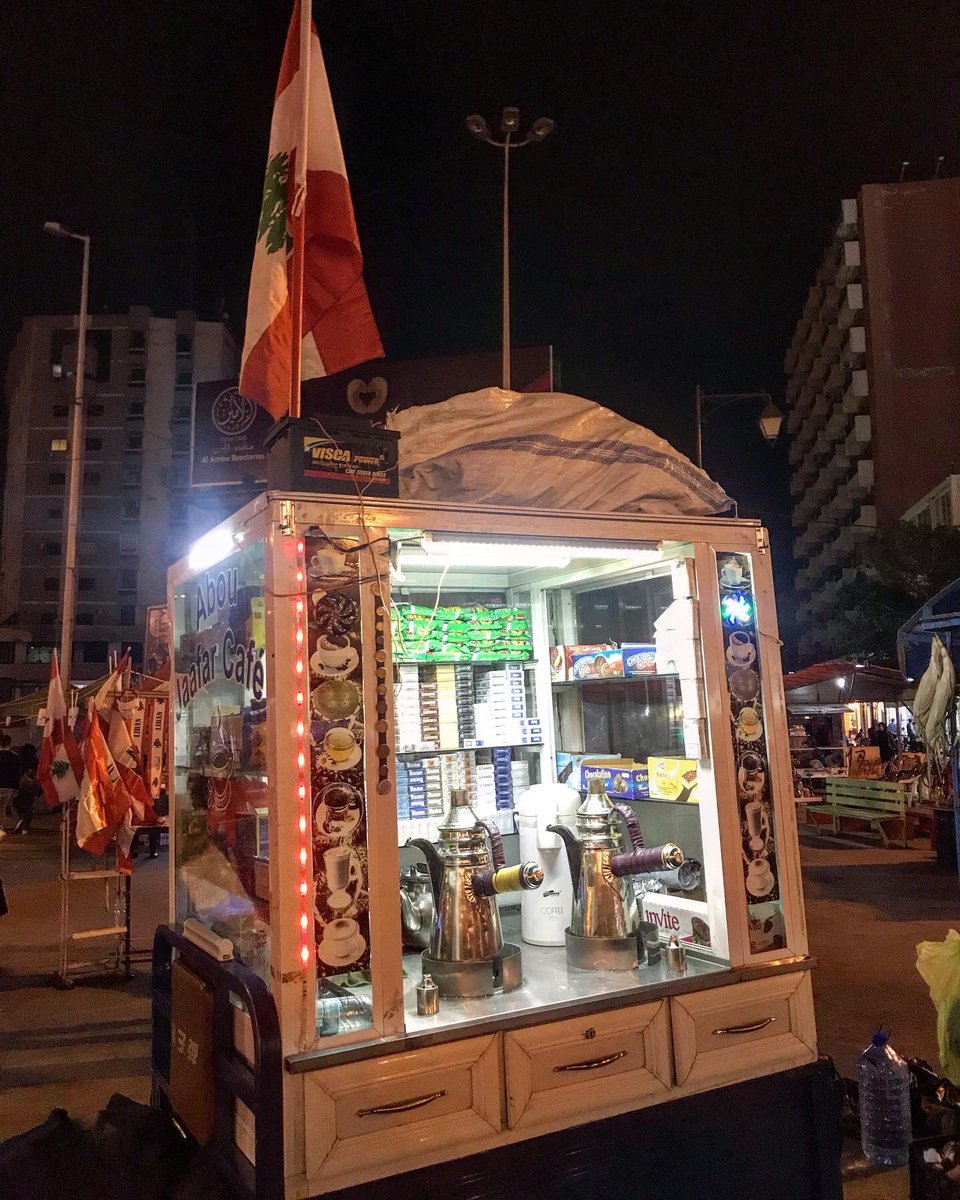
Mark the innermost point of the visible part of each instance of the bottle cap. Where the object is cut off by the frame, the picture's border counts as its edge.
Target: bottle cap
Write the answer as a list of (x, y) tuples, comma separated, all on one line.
[(881, 1037)]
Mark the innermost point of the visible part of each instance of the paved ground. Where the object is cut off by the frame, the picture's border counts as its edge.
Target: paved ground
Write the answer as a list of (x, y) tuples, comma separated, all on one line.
[(867, 909)]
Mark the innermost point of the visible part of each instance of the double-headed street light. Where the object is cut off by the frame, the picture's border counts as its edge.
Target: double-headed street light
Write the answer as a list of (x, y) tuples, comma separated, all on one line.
[(541, 128), (68, 598), (769, 421)]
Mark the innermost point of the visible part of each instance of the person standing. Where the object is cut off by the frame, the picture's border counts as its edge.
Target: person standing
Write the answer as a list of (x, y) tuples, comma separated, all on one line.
[(30, 791), (10, 772), (29, 758)]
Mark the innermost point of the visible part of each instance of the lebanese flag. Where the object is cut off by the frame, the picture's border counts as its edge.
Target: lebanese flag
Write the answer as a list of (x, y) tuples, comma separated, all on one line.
[(123, 752), (105, 804), (305, 187), (61, 764)]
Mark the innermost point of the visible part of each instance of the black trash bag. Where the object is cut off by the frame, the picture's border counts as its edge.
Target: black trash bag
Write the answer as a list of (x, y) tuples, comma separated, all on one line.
[(144, 1152), (848, 1097), (934, 1102), (203, 1180), (58, 1160)]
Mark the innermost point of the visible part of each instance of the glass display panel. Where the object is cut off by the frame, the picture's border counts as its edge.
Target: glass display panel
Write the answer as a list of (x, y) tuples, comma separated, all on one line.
[(523, 670), (220, 759)]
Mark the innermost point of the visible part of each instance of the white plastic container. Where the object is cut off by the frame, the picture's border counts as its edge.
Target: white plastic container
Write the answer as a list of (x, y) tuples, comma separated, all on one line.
[(545, 913)]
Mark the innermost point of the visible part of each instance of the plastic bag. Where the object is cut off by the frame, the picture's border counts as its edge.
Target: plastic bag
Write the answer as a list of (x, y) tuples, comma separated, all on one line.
[(939, 964)]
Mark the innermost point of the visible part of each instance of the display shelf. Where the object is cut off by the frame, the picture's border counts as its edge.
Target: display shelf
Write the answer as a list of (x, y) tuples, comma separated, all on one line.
[(434, 660), (591, 682), (470, 749)]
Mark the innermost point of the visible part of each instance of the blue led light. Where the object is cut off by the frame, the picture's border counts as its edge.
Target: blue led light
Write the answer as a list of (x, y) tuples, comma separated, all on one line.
[(736, 608)]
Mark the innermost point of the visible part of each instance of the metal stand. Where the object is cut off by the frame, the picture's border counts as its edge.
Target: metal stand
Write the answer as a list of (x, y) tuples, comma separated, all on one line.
[(116, 895), (467, 980), (602, 953)]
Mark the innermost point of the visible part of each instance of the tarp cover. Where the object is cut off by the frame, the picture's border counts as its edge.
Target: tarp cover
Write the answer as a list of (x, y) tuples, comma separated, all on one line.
[(545, 450)]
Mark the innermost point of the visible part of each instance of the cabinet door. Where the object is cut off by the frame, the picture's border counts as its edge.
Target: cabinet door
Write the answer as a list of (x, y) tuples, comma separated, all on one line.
[(391, 1114), (570, 1071), (731, 1033)]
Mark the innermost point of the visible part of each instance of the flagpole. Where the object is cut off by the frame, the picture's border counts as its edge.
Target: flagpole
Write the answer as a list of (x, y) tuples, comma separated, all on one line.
[(298, 211)]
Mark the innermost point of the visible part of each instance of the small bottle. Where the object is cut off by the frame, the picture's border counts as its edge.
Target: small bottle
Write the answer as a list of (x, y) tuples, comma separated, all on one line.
[(428, 997), (676, 955), (885, 1125)]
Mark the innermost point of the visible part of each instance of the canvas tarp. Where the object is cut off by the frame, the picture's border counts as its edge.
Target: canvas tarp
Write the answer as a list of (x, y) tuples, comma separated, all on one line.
[(546, 450)]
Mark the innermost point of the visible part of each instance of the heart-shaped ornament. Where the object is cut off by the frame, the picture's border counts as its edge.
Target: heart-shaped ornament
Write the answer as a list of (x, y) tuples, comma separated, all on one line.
[(367, 397)]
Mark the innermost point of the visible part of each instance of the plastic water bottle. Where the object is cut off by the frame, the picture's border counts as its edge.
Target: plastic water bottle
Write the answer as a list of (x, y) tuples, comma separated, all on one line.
[(885, 1127)]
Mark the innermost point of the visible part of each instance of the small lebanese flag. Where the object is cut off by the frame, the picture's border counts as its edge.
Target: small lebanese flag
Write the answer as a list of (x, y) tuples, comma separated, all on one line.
[(104, 804), (61, 764), (338, 328), (124, 755)]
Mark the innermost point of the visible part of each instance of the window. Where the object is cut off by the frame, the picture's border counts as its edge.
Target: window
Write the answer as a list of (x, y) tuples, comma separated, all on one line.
[(184, 343), (51, 583), (129, 546), (138, 343), (94, 652), (94, 443), (56, 477), (85, 583), (91, 478), (56, 370), (131, 476), (59, 410), (135, 408), (47, 618), (181, 412), (87, 549), (51, 548), (128, 614), (128, 579), (184, 378), (178, 510), (55, 511), (38, 652), (181, 439), (58, 445), (94, 410), (84, 618), (63, 354), (7, 650), (137, 376), (131, 510), (135, 441)]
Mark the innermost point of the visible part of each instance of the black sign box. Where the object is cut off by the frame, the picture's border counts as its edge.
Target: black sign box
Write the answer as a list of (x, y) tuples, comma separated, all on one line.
[(337, 455)]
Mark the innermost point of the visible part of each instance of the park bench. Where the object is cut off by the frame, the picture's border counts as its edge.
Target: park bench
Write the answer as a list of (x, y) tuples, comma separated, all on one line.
[(872, 800)]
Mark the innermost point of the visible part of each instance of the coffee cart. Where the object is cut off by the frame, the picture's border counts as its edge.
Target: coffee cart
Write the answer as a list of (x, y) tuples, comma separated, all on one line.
[(343, 667)]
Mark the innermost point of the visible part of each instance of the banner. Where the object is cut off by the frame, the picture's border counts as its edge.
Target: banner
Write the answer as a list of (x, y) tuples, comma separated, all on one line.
[(229, 429)]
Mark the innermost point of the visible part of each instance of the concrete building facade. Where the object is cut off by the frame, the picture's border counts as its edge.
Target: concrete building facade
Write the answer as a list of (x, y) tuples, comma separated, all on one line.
[(873, 383), (140, 372)]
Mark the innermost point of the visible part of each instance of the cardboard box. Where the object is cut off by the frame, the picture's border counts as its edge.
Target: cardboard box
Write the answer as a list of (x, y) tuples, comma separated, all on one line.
[(673, 779), (680, 915), (561, 659), (639, 658), (597, 664), (623, 778)]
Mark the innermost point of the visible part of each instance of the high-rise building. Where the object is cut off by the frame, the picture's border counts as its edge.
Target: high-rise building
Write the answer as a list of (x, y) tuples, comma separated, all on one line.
[(140, 371), (873, 386)]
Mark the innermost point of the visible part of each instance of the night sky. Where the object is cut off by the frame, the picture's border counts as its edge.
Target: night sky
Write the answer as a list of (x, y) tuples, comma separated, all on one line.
[(664, 235)]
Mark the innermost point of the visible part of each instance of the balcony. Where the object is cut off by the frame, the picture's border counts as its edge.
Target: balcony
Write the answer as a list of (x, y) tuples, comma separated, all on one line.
[(848, 226), (852, 305), (832, 296), (859, 437), (848, 270), (837, 377), (854, 352), (867, 518), (856, 398)]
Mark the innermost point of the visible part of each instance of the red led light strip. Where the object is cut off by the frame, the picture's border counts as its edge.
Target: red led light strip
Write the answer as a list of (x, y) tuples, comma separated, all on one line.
[(301, 741)]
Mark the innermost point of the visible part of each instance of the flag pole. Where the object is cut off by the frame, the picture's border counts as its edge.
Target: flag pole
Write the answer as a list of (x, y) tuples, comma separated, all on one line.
[(298, 210)]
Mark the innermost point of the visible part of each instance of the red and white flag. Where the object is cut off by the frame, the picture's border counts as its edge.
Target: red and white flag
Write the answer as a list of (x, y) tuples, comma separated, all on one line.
[(306, 189), (123, 751), (103, 810), (61, 763)]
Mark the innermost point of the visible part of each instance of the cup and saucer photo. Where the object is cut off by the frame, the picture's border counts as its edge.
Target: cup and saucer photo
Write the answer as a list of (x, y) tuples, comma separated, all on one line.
[(741, 651), (339, 811), (760, 879), (749, 727), (335, 657), (733, 574), (339, 750), (342, 943)]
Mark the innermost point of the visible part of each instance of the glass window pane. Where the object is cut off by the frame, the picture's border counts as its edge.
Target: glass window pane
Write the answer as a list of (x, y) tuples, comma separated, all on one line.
[(220, 768)]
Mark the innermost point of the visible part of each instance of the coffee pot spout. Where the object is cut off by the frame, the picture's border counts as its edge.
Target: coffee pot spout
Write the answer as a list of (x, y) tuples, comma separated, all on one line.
[(434, 863)]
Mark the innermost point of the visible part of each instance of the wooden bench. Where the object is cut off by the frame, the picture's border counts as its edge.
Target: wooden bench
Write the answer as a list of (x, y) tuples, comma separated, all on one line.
[(870, 800)]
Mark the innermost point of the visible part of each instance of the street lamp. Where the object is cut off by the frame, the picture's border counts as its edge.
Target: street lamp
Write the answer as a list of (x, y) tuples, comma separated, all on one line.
[(75, 469), (541, 128), (769, 421)]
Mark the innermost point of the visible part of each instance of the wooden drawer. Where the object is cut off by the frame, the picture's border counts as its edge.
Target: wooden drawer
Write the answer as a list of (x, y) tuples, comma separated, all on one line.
[(401, 1111), (571, 1071), (730, 1033)]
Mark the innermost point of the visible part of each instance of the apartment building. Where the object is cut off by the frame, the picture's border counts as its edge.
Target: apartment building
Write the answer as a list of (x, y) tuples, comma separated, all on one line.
[(140, 372), (873, 383)]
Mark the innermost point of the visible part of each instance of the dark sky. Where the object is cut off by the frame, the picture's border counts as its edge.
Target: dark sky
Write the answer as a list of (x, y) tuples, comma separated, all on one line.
[(664, 236)]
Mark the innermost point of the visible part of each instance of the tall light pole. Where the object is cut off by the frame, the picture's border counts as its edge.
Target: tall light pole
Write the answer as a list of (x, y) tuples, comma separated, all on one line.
[(541, 128), (68, 597), (769, 421)]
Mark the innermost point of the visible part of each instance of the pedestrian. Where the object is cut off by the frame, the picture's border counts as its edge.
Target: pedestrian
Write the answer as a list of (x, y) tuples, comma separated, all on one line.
[(10, 772), (30, 791), (29, 758)]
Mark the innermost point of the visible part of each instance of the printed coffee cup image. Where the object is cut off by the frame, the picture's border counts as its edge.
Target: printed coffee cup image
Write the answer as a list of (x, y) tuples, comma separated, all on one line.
[(334, 655), (339, 744), (749, 727), (731, 572), (741, 652)]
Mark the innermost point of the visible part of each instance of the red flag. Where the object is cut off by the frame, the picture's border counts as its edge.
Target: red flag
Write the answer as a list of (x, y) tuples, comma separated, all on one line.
[(128, 763), (104, 804), (61, 763), (306, 223)]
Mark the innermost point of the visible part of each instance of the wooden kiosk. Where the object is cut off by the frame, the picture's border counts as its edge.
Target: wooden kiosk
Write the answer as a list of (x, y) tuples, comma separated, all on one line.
[(340, 668)]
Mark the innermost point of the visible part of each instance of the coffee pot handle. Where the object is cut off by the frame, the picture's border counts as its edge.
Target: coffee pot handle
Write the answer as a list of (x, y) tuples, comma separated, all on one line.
[(496, 844), (629, 818)]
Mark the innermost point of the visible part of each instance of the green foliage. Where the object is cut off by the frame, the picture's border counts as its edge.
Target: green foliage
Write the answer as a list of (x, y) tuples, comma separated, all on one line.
[(273, 211), (897, 570), (59, 767)]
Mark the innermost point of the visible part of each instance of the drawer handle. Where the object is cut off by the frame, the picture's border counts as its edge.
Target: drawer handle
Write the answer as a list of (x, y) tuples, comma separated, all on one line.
[(592, 1063), (745, 1028), (401, 1105)]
